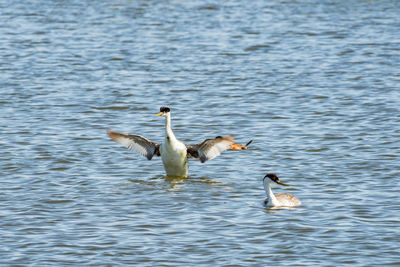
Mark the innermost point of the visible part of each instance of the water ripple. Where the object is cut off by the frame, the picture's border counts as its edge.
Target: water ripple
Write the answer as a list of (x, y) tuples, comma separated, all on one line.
[(314, 84)]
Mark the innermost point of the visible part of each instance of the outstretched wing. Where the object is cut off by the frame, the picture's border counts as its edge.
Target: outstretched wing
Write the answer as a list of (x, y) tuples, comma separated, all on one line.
[(209, 148), (136, 143)]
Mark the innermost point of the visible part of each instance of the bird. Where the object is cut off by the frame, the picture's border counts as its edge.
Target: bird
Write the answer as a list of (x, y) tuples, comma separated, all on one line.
[(278, 200), (174, 153)]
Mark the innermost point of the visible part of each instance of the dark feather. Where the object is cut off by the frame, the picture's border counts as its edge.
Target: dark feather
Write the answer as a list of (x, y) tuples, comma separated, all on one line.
[(209, 148), (136, 143)]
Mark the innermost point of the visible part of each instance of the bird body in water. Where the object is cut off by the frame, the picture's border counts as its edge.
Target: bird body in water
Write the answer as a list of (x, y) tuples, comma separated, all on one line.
[(278, 200), (174, 153)]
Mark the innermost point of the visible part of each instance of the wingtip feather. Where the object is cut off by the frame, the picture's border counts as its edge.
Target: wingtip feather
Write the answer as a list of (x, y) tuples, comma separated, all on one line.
[(251, 141), (112, 135)]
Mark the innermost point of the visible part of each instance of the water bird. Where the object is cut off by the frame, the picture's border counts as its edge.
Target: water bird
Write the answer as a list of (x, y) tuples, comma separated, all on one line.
[(174, 153), (278, 200)]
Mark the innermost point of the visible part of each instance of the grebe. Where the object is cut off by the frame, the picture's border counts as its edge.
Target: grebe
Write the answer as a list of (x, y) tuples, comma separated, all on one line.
[(278, 200), (173, 152)]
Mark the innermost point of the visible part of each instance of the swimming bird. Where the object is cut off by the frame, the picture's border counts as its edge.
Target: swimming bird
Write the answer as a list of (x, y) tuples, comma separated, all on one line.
[(278, 200), (173, 152)]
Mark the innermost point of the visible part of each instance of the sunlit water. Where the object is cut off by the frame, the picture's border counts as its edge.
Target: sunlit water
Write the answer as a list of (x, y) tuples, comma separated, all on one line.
[(314, 83)]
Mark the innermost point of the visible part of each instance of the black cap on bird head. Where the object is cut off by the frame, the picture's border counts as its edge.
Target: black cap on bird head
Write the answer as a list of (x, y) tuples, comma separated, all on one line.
[(165, 109), (272, 176)]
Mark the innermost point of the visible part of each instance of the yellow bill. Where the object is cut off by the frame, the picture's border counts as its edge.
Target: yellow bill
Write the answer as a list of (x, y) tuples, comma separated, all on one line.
[(279, 182)]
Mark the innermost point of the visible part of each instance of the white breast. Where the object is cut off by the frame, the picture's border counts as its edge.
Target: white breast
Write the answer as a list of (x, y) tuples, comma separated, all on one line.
[(174, 158)]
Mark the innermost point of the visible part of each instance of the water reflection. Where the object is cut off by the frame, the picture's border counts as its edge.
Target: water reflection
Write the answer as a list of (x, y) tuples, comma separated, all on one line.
[(176, 181), (272, 208)]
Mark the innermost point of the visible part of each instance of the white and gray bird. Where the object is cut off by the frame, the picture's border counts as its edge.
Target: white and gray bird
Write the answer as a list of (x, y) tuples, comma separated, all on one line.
[(278, 200), (173, 152)]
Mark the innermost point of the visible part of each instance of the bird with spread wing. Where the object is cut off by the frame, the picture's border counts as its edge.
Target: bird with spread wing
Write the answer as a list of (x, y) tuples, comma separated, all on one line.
[(173, 152)]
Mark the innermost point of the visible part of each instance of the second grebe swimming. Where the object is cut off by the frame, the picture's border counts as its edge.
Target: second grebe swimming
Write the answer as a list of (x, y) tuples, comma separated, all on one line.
[(278, 200)]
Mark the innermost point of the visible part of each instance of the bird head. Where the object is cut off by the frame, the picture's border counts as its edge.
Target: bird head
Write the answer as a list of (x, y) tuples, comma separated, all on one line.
[(272, 178), (164, 111)]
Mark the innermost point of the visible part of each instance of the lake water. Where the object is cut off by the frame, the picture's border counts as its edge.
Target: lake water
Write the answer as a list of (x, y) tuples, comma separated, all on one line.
[(314, 83)]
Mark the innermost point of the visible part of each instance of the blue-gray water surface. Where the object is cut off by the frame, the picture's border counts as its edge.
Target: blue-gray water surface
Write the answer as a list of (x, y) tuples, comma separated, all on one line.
[(314, 83)]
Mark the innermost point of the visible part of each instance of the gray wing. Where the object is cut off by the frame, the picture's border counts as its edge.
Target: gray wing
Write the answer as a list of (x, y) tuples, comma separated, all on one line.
[(209, 148), (136, 143)]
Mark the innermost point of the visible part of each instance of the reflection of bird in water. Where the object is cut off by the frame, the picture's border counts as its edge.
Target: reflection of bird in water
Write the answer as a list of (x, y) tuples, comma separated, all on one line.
[(278, 200), (173, 152)]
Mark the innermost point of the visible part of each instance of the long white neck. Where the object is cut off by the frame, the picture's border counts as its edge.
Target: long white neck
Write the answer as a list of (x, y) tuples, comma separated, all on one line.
[(272, 201), (169, 134)]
